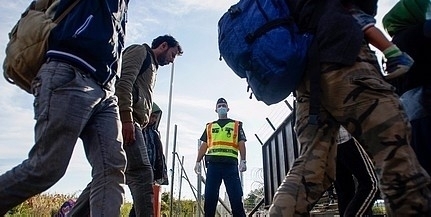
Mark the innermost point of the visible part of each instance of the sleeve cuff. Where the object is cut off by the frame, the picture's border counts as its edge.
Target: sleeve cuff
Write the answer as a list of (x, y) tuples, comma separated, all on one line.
[(126, 116)]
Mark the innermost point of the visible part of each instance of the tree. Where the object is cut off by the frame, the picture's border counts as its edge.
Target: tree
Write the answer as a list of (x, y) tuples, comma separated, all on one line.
[(253, 199)]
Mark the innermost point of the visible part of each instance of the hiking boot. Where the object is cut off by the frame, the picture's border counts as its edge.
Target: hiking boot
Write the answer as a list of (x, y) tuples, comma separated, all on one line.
[(397, 66)]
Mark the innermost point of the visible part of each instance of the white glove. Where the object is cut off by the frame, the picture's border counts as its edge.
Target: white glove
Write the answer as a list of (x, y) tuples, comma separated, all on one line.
[(198, 168), (242, 166)]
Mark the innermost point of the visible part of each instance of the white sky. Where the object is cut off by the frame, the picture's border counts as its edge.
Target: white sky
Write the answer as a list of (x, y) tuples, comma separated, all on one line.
[(199, 80)]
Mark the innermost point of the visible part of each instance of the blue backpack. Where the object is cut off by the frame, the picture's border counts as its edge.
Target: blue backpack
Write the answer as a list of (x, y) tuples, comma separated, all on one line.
[(259, 41)]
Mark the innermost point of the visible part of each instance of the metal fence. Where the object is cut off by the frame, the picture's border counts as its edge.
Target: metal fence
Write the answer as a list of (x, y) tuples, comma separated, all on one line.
[(279, 152)]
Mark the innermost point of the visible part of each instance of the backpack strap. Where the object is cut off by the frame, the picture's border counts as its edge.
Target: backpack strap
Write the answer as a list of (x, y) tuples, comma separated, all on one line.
[(145, 66), (314, 66), (314, 69), (251, 37)]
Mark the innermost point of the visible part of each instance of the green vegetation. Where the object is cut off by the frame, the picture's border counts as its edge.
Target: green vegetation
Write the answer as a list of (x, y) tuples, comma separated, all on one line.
[(40, 205), (48, 205)]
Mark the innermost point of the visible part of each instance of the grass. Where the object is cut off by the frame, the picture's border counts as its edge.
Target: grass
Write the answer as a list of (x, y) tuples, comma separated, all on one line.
[(48, 205)]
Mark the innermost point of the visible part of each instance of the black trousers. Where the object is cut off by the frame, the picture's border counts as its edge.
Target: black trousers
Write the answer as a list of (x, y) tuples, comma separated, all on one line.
[(356, 182), (413, 41), (421, 142)]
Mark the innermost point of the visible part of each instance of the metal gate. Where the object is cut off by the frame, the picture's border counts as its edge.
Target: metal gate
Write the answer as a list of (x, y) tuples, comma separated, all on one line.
[(279, 152)]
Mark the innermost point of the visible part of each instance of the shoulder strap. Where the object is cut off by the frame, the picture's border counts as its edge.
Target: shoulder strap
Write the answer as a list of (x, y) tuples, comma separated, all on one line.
[(314, 70), (145, 65), (251, 37), (314, 64)]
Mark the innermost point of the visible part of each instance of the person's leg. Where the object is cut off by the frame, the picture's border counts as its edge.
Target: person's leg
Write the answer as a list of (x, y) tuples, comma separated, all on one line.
[(103, 147), (61, 113), (234, 190), (417, 103), (132, 212), (139, 175), (414, 42), (367, 106), (212, 187), (82, 204), (314, 170), (421, 141), (344, 182), (359, 164)]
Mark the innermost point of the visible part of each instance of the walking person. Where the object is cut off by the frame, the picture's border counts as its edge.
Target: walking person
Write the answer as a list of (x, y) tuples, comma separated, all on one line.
[(409, 24), (355, 182), (74, 98), (134, 90), (221, 141), (135, 99), (353, 94)]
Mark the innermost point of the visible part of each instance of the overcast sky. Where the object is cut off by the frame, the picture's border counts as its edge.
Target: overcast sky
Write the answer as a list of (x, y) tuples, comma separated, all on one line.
[(199, 80)]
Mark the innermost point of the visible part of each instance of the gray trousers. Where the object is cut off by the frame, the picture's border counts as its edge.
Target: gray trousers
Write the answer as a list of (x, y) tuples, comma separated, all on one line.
[(139, 178), (69, 105)]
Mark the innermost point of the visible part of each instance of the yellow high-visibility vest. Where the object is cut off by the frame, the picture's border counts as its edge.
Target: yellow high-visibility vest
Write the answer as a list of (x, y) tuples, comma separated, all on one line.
[(223, 141)]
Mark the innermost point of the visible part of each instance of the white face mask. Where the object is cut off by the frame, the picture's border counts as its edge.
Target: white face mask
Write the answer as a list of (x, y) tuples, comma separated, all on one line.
[(222, 110)]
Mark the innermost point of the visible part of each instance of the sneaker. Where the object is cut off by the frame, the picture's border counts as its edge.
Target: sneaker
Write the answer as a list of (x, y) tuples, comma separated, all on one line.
[(397, 66)]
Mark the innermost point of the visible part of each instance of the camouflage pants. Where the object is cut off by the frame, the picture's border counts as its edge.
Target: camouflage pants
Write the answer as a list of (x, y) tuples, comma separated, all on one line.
[(358, 98)]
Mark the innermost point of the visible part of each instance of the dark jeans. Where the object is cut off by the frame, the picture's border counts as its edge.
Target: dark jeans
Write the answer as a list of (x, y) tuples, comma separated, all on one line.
[(139, 175), (353, 162), (413, 41), (216, 172), (421, 141), (417, 103)]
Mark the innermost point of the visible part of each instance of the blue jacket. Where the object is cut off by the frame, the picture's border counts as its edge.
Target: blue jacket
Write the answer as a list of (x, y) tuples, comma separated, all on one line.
[(91, 37)]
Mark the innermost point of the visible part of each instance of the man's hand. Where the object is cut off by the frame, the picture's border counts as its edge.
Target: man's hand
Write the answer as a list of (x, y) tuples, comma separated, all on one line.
[(242, 166), (128, 133), (198, 168)]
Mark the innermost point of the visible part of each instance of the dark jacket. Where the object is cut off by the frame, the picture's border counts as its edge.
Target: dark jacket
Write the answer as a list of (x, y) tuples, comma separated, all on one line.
[(91, 37), (155, 150), (338, 36)]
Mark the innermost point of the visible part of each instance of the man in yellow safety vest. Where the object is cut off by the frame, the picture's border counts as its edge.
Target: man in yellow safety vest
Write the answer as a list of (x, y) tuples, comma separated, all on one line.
[(221, 142)]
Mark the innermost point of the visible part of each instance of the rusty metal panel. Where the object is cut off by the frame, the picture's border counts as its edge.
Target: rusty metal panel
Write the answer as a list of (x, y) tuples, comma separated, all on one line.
[(278, 152)]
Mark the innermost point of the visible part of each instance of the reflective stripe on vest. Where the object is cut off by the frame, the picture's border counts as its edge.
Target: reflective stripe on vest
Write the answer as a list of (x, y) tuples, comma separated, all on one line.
[(223, 141)]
